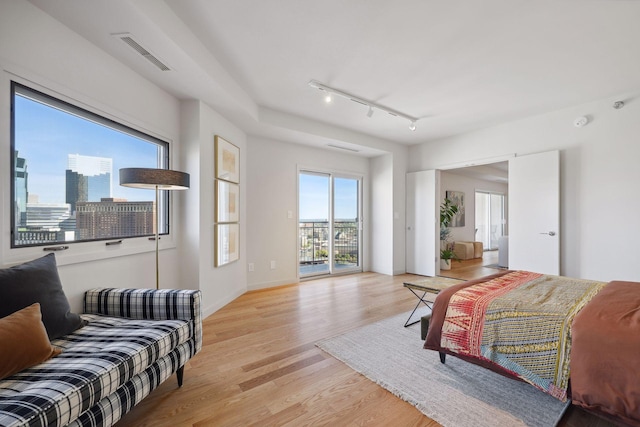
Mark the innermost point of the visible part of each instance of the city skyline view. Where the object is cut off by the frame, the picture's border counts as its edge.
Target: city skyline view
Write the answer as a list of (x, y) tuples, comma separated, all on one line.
[(46, 136)]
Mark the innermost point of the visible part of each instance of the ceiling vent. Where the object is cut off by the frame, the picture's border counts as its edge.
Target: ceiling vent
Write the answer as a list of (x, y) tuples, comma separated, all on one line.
[(128, 39), (343, 148)]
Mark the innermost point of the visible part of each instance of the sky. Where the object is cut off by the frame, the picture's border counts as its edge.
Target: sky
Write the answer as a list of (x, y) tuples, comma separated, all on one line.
[(314, 197), (44, 136)]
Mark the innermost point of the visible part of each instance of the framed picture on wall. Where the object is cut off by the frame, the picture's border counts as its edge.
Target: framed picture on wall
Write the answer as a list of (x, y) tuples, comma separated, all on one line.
[(227, 201), (227, 243), (227, 160), (457, 199)]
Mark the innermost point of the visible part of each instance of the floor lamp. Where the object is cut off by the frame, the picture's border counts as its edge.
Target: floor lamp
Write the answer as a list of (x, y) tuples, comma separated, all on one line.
[(158, 179)]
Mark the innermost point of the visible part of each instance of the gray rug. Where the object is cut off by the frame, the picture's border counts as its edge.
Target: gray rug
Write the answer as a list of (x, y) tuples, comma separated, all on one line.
[(456, 394), (496, 266)]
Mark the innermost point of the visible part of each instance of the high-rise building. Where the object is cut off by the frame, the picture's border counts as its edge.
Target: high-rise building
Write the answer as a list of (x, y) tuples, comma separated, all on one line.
[(21, 186), (88, 179), (46, 223), (111, 218), (47, 216)]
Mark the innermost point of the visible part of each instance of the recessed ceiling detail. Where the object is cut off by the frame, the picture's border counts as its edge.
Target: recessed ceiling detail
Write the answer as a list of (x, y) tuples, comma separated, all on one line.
[(128, 39)]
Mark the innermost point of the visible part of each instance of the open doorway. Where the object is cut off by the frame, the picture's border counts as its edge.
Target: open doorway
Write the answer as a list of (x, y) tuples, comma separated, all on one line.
[(485, 189), (533, 212)]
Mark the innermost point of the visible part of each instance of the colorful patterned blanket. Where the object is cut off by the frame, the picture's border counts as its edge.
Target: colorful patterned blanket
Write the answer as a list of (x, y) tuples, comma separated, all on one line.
[(522, 322)]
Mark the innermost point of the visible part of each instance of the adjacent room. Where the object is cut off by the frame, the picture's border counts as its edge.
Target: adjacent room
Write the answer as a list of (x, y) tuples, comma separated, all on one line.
[(291, 206)]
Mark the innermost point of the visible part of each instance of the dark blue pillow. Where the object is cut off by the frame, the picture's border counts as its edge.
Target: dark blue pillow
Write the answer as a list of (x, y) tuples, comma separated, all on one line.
[(38, 281)]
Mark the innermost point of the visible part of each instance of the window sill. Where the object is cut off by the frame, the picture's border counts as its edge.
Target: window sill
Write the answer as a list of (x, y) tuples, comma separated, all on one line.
[(89, 251)]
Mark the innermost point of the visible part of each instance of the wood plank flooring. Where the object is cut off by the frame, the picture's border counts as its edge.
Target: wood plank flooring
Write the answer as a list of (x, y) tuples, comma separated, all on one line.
[(259, 364), (472, 268)]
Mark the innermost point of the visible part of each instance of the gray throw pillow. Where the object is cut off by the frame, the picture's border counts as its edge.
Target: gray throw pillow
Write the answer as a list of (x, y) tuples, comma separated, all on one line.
[(38, 281)]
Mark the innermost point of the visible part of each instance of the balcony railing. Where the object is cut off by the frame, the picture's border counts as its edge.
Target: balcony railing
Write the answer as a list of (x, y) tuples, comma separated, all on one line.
[(314, 245)]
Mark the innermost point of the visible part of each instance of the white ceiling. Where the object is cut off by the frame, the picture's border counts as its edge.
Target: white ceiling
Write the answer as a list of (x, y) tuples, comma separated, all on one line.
[(458, 65)]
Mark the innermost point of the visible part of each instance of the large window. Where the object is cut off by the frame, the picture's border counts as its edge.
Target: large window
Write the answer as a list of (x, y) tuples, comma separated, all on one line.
[(65, 164), (490, 218)]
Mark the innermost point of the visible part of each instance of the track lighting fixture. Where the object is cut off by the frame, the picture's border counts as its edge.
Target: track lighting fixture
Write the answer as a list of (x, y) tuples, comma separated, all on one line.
[(370, 112), (329, 92)]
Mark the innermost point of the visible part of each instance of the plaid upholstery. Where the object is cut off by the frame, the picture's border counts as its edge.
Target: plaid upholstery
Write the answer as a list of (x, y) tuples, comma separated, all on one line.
[(111, 408), (148, 304), (108, 366)]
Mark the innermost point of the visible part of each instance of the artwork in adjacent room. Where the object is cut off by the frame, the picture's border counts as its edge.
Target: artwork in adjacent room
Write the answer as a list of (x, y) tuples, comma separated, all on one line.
[(227, 243), (227, 201), (227, 160), (457, 199)]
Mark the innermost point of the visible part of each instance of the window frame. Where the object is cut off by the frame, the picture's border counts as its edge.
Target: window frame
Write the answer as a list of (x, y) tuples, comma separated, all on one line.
[(82, 250)]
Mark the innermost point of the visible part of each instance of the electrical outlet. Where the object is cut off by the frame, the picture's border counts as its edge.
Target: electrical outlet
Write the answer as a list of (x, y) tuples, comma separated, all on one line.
[(273, 265), (251, 267)]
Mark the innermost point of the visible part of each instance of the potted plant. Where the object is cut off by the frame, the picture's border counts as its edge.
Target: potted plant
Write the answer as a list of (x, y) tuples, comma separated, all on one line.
[(446, 255), (447, 212)]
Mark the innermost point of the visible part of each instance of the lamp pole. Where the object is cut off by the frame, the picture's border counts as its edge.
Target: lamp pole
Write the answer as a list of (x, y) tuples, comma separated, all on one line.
[(148, 178), (157, 220)]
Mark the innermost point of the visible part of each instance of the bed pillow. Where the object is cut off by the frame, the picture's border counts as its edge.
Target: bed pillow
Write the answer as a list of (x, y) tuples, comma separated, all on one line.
[(38, 281), (24, 341)]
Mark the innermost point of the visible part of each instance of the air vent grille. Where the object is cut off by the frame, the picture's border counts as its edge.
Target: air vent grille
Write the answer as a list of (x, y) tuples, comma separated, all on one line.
[(142, 51), (343, 148)]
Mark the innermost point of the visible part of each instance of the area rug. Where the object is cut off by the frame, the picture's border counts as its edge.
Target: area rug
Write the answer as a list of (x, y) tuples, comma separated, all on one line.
[(496, 266), (456, 394)]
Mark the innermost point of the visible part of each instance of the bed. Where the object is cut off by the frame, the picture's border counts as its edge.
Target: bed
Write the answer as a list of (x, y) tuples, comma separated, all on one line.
[(571, 338)]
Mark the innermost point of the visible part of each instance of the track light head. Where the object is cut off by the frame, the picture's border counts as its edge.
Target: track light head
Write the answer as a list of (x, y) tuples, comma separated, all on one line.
[(328, 98), (412, 126), (370, 112)]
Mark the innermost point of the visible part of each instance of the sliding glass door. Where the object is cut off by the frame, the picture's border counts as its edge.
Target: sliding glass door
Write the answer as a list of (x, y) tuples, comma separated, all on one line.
[(490, 218), (329, 229)]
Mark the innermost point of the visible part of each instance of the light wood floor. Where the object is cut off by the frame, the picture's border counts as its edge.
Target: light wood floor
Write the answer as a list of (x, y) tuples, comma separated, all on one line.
[(472, 268), (259, 365)]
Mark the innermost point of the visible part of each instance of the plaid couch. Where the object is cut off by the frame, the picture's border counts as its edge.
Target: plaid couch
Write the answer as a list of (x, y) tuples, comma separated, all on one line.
[(135, 339)]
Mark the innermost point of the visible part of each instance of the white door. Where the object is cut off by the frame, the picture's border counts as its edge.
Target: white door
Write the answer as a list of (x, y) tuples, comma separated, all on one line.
[(422, 223), (534, 213)]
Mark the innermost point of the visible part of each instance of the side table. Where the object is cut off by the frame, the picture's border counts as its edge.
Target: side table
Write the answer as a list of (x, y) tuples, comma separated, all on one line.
[(420, 288)]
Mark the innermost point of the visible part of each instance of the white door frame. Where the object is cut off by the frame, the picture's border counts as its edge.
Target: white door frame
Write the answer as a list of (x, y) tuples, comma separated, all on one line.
[(518, 251), (332, 175)]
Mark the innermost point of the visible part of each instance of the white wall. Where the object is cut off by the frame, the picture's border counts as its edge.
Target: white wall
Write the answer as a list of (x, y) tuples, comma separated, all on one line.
[(600, 178), (272, 191), (44, 53), (400, 162), (219, 285), (382, 208), (450, 181)]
